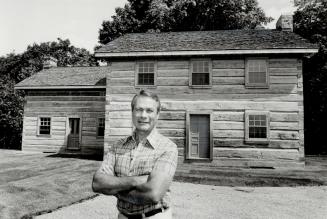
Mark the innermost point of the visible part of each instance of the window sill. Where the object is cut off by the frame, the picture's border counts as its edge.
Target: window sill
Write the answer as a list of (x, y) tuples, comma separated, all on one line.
[(194, 159), (145, 86)]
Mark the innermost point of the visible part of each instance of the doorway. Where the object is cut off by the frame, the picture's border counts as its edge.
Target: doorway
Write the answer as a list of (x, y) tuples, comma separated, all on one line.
[(73, 138)]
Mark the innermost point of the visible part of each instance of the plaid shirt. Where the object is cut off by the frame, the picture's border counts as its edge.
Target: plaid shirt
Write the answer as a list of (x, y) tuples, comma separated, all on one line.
[(126, 158)]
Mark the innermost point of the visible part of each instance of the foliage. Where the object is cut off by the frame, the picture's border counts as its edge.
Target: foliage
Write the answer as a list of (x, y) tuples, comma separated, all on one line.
[(16, 67), (310, 21), (182, 15)]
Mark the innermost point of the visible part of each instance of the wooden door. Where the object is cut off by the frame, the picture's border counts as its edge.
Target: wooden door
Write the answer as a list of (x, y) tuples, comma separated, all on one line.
[(74, 134), (199, 136)]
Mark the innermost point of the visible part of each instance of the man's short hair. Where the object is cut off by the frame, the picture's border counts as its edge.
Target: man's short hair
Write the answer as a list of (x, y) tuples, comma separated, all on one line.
[(144, 93)]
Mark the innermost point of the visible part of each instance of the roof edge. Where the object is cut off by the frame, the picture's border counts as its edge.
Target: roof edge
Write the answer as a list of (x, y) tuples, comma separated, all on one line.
[(57, 87), (199, 52)]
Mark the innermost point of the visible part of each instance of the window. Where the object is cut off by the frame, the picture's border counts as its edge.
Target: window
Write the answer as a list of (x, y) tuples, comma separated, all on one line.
[(257, 126), (101, 127), (200, 73), (257, 73), (44, 125), (146, 73)]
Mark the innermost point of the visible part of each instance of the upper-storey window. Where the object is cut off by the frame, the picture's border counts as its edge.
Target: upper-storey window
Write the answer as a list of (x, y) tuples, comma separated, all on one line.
[(44, 126), (200, 73), (257, 75), (146, 73)]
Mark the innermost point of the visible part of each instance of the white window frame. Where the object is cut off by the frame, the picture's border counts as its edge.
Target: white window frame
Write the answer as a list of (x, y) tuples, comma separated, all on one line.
[(104, 127), (256, 85), (247, 127), (137, 64), (192, 61), (39, 125)]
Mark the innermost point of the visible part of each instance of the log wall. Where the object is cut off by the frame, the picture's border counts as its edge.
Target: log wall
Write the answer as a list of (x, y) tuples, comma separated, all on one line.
[(60, 108), (227, 99)]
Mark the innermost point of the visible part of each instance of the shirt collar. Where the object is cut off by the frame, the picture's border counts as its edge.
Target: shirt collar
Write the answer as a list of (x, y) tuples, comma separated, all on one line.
[(152, 138)]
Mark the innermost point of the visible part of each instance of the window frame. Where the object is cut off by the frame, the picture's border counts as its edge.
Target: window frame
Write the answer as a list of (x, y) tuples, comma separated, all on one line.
[(188, 127), (137, 85), (247, 127), (104, 127), (39, 125), (257, 85), (191, 73)]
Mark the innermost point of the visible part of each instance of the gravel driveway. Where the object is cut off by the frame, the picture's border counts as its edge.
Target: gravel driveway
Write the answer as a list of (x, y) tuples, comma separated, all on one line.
[(204, 202)]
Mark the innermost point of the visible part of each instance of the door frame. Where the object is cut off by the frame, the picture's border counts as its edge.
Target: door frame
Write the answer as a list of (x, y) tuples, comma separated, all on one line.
[(68, 130), (188, 155)]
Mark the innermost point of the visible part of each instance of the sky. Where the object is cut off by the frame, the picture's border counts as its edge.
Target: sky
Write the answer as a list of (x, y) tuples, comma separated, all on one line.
[(24, 22)]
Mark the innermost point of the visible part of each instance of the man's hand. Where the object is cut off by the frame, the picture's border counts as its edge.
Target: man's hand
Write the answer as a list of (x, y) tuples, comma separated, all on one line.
[(111, 185)]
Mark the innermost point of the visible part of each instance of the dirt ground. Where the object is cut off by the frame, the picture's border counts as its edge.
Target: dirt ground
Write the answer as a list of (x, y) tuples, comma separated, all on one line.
[(194, 201)]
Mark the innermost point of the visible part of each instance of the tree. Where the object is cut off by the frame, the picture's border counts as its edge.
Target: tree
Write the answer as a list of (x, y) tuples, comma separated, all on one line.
[(310, 21), (16, 67), (182, 15)]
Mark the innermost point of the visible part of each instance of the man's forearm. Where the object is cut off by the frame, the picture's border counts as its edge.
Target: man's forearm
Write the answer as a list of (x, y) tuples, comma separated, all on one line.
[(111, 185), (141, 194)]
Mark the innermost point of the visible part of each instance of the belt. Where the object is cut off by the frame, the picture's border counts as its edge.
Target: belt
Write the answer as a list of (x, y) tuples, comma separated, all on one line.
[(145, 215)]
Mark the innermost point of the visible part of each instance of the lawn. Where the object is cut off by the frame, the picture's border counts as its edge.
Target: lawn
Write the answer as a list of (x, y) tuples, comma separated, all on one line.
[(33, 183)]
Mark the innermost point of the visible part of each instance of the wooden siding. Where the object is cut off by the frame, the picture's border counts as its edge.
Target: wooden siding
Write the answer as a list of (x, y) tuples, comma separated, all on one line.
[(227, 99), (60, 108)]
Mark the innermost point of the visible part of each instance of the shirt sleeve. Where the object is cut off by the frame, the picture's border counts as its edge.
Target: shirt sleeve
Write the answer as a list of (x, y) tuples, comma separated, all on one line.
[(167, 162), (108, 163)]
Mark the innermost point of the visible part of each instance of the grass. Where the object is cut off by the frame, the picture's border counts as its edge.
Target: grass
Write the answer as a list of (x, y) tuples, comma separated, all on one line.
[(34, 183)]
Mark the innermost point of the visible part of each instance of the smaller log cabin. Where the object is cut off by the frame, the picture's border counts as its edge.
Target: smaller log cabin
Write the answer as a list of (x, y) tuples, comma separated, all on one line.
[(229, 97), (64, 110)]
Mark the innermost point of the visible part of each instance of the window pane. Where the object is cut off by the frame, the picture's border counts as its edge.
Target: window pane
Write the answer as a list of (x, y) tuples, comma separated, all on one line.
[(146, 73), (45, 125), (200, 79), (257, 71), (257, 126)]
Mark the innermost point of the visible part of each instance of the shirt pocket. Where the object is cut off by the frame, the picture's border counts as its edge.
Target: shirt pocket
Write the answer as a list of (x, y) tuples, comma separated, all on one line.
[(144, 166)]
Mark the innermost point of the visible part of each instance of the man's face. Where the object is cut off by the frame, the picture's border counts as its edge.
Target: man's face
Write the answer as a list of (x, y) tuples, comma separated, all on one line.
[(145, 115)]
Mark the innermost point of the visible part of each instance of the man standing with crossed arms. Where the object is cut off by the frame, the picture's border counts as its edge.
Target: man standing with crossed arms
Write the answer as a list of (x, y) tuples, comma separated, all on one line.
[(139, 169)]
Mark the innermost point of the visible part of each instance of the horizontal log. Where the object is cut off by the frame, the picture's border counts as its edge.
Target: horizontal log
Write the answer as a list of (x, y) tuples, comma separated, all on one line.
[(283, 79), (173, 72), (256, 153), (120, 131), (172, 65), (50, 142), (284, 135), (284, 71), (228, 64), (228, 72), (283, 117), (228, 116), (228, 80), (172, 132), (217, 105), (175, 124), (228, 134), (175, 115), (214, 97), (176, 81), (68, 113), (120, 123), (283, 63), (120, 114), (284, 126), (229, 142), (220, 89), (228, 125)]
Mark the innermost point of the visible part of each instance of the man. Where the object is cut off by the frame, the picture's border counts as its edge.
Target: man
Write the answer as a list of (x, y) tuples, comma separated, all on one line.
[(139, 169)]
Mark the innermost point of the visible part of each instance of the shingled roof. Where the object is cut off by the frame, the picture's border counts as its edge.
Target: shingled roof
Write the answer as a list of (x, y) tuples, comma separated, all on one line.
[(72, 77), (220, 40)]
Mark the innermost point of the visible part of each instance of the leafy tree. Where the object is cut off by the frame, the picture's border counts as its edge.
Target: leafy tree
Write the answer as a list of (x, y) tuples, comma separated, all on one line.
[(16, 67), (182, 15), (310, 21)]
